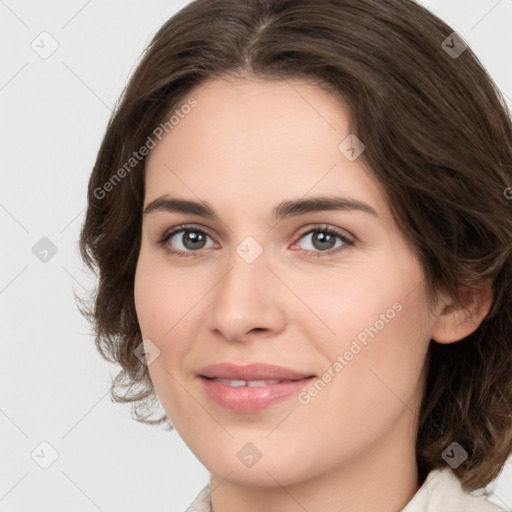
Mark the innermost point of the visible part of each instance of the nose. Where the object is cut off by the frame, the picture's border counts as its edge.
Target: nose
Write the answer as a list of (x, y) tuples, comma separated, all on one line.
[(249, 300)]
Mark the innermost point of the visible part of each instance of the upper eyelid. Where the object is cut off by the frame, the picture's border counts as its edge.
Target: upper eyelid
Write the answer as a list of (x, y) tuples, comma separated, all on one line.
[(186, 227)]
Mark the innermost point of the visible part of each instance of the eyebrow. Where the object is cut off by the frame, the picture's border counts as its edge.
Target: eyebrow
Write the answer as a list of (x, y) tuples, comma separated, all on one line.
[(286, 209)]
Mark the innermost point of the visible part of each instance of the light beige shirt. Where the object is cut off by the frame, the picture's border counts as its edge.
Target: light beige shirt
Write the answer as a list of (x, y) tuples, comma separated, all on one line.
[(441, 492)]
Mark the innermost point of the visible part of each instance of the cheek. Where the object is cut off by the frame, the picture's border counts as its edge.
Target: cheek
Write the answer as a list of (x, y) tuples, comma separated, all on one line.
[(381, 339), (162, 296), (161, 312), (165, 300)]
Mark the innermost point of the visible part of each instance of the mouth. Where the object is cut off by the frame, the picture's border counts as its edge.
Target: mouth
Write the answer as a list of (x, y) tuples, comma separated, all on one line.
[(252, 372), (253, 387), (236, 383)]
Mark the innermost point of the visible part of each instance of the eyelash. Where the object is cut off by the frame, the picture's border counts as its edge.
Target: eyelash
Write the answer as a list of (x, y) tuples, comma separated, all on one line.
[(315, 254)]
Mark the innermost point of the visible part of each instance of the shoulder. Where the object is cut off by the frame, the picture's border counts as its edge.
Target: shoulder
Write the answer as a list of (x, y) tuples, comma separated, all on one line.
[(442, 490)]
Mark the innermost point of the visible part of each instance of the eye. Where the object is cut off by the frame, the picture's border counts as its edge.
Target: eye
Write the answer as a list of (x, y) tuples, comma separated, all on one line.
[(323, 241), (191, 239)]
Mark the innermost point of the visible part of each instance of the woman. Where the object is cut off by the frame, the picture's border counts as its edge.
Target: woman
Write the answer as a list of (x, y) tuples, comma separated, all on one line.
[(302, 233)]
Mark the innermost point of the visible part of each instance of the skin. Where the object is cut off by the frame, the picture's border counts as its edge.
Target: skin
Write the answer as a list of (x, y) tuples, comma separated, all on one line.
[(246, 147)]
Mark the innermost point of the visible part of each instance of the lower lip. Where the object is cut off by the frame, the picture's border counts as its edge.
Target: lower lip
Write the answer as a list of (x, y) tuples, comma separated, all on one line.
[(252, 399)]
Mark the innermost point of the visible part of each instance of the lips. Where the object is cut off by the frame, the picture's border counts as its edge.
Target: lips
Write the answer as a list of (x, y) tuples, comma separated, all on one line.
[(252, 387), (252, 372)]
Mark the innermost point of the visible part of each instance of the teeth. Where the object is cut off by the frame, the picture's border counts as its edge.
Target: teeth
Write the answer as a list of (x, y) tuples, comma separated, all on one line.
[(249, 383), (254, 383), (233, 383)]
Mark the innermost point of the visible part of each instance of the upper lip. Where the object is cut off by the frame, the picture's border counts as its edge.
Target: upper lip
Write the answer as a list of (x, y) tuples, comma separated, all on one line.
[(253, 371)]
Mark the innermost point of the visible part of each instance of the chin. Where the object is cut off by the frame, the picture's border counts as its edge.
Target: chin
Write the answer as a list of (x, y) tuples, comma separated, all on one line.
[(275, 468)]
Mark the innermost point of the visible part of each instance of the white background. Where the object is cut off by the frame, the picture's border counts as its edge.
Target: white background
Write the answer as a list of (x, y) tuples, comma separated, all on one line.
[(53, 384)]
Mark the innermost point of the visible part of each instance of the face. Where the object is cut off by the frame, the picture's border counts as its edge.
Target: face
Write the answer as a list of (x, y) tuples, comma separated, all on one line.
[(331, 295)]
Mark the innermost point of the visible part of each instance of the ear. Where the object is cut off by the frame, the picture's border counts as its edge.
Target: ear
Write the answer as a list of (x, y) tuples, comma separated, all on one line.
[(455, 323)]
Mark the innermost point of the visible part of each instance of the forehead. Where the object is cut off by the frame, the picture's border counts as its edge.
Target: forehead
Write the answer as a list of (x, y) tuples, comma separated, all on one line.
[(261, 117), (262, 141)]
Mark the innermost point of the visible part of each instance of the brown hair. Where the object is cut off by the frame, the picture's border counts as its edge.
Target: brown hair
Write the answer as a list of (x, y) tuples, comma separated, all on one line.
[(438, 138)]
